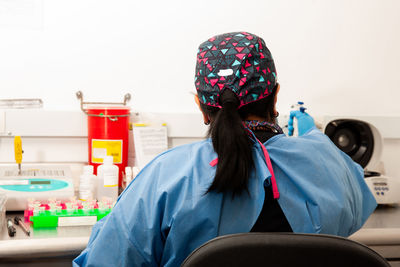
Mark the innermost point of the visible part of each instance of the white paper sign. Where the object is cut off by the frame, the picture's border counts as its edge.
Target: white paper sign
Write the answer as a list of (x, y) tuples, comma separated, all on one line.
[(149, 142)]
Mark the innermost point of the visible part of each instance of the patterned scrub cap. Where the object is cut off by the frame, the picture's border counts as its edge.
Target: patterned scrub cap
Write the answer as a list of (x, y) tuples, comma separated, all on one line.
[(238, 61)]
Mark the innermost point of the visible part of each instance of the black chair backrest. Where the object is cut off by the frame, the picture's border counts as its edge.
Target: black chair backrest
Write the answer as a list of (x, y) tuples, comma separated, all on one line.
[(283, 249)]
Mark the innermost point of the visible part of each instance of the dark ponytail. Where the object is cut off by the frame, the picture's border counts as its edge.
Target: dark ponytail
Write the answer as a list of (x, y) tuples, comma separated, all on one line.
[(233, 146)]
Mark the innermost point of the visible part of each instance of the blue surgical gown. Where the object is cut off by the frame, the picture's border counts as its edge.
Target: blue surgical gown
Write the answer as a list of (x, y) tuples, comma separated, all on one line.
[(164, 214)]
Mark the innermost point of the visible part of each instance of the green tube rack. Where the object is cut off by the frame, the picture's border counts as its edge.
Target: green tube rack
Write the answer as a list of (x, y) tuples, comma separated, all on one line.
[(50, 219)]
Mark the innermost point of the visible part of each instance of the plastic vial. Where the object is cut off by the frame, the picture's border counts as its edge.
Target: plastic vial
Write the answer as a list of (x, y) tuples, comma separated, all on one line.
[(87, 183), (107, 177), (128, 175)]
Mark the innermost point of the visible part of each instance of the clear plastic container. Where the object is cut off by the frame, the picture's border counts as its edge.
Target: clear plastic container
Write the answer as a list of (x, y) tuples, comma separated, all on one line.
[(87, 184), (107, 177)]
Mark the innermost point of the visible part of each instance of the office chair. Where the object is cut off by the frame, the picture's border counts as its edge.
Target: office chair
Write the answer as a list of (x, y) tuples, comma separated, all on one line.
[(283, 249)]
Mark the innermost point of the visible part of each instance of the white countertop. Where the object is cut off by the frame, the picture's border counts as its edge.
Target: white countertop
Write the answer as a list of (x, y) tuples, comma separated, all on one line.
[(381, 232)]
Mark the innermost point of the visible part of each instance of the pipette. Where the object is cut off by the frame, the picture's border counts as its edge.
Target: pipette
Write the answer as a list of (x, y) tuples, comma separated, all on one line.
[(300, 105), (18, 152), (18, 221)]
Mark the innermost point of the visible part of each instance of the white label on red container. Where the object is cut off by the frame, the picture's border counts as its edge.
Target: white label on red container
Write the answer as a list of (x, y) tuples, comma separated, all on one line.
[(99, 153), (102, 148)]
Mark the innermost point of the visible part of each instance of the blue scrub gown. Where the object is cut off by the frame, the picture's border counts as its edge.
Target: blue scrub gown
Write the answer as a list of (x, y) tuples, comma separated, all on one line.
[(164, 214)]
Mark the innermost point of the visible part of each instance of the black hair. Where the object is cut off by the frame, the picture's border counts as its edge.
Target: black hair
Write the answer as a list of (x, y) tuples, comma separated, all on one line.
[(231, 141)]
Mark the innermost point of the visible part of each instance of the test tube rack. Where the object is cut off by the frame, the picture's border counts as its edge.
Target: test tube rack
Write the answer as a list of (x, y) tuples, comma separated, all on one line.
[(76, 213)]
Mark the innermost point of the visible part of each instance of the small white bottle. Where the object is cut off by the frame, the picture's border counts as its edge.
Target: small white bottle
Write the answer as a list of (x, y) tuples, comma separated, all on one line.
[(107, 177), (87, 183)]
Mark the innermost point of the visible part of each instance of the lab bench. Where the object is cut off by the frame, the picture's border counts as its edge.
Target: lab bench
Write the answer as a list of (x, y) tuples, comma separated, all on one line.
[(381, 232), (44, 247), (57, 247)]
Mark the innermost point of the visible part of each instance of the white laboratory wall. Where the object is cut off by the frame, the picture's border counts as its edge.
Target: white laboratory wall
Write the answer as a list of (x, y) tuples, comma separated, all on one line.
[(339, 56), (54, 137), (60, 137)]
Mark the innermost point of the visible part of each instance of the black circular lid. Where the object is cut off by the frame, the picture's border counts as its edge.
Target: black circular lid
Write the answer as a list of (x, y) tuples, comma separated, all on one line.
[(353, 137)]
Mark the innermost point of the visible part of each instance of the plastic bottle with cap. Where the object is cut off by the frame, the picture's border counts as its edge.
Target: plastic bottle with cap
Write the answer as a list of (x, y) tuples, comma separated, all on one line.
[(292, 124), (87, 183), (107, 177)]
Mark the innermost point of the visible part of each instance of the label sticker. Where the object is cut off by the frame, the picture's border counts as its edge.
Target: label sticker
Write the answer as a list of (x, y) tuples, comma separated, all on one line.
[(225, 72), (77, 221), (99, 153), (102, 148), (110, 180)]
